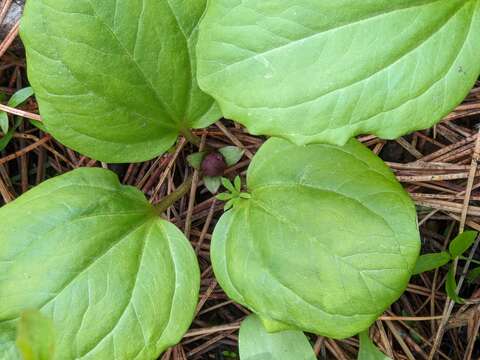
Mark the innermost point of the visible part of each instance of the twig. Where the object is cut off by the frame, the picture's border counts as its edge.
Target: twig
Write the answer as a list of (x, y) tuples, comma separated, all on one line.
[(402, 344), (191, 199), (233, 139), (473, 335), (5, 6), (19, 112), (25, 150), (206, 226), (167, 170), (206, 295), (9, 38), (410, 318), (212, 330)]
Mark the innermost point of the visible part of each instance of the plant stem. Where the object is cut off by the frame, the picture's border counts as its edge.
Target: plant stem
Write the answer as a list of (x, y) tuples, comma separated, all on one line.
[(472, 260), (191, 137), (171, 198)]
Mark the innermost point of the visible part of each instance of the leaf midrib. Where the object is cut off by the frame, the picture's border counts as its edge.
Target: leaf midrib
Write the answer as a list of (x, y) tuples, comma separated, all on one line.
[(167, 107), (129, 302)]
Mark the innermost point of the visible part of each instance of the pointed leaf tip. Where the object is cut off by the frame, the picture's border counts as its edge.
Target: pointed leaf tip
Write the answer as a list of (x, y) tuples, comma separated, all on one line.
[(232, 154), (432, 261), (461, 243)]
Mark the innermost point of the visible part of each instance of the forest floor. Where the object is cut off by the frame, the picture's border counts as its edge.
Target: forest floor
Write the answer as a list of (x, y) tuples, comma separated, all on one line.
[(437, 166)]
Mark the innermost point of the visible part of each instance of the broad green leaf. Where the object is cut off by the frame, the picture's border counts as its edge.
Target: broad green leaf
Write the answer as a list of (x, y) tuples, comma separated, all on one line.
[(451, 286), (324, 71), (429, 262), (20, 97), (116, 80), (256, 343), (35, 336), (327, 241), (368, 351), (461, 243), (231, 154), (473, 274), (94, 256)]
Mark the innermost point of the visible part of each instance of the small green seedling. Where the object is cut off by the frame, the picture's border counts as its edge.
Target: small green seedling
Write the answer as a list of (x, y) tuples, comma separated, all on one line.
[(456, 248), (234, 194), (16, 100)]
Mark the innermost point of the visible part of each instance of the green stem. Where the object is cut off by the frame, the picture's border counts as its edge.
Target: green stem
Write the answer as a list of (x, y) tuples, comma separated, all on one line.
[(173, 197), (472, 260), (191, 137)]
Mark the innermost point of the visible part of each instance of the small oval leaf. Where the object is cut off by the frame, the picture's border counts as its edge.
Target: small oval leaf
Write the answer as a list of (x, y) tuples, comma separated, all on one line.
[(256, 343), (327, 229), (324, 71), (231, 154), (429, 262), (227, 184), (461, 243), (195, 159), (116, 80), (212, 183), (94, 256), (20, 97)]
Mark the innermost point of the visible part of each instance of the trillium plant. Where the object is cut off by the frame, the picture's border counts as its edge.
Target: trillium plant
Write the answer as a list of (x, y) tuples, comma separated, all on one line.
[(319, 238)]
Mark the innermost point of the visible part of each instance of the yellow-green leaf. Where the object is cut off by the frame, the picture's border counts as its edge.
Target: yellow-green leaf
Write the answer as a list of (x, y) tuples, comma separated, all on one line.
[(117, 280), (35, 336), (326, 70), (116, 80), (326, 242)]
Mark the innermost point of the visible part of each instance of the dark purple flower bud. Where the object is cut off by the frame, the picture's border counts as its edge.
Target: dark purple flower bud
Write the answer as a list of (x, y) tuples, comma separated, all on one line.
[(213, 164)]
